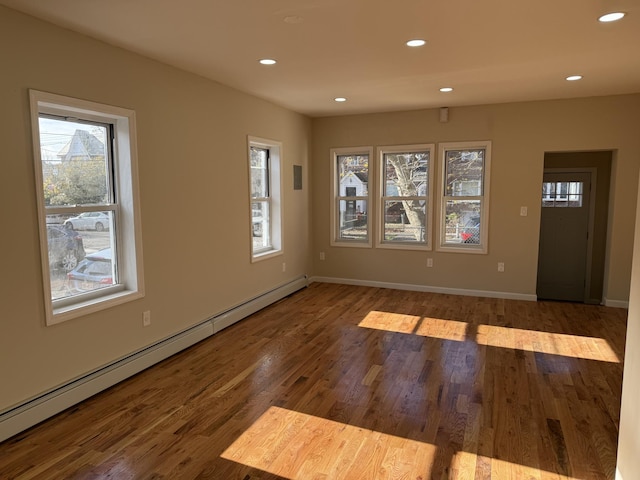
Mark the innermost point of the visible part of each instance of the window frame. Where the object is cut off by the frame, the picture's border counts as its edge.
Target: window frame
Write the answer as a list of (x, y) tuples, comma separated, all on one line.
[(336, 198), (443, 245), (383, 198), (126, 205), (274, 198)]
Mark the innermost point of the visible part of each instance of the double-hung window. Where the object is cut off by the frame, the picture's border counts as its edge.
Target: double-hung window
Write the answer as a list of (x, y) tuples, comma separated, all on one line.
[(465, 195), (86, 179), (406, 179), (265, 186), (351, 204)]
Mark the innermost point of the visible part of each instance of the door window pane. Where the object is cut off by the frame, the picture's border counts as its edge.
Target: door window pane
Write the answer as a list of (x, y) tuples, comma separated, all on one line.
[(562, 194)]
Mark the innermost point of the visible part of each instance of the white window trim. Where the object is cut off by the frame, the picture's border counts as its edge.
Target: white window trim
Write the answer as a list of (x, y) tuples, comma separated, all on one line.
[(483, 247), (275, 193), (129, 237), (335, 198), (380, 243)]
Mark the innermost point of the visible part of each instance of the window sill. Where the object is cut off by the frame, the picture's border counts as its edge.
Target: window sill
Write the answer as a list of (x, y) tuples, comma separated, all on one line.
[(403, 246), (257, 257), (79, 309), (463, 248)]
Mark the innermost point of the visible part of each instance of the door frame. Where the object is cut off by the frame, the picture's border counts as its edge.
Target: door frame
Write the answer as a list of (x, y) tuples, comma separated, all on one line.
[(593, 171)]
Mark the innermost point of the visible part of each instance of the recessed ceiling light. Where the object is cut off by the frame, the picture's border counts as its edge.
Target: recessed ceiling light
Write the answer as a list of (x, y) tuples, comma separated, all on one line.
[(340, 99), (573, 78), (611, 17), (446, 89), (268, 61), (416, 43)]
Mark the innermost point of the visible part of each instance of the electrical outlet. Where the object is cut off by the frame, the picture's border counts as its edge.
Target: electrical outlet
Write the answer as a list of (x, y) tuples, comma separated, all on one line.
[(501, 266), (284, 267), (146, 318), (429, 262), (321, 255), (523, 211)]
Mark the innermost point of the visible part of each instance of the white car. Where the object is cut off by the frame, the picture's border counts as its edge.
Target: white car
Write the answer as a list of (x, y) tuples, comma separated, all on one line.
[(98, 221)]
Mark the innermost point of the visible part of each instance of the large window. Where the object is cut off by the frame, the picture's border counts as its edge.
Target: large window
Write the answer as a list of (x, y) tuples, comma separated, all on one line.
[(351, 201), (465, 194), (264, 175), (86, 179), (405, 211)]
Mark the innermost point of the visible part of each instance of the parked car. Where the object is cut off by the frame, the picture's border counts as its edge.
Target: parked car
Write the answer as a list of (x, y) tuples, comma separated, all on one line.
[(89, 221), (95, 271), (66, 248), (471, 231)]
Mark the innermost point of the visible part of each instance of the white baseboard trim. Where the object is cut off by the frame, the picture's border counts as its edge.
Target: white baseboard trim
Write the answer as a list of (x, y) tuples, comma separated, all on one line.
[(426, 288), (616, 303), (35, 410)]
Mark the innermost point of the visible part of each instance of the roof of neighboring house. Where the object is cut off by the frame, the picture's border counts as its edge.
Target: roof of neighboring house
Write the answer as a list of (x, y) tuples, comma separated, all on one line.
[(362, 176), (83, 145)]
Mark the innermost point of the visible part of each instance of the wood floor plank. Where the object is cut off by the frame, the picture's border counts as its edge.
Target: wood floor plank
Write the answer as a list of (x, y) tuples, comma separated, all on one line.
[(346, 382)]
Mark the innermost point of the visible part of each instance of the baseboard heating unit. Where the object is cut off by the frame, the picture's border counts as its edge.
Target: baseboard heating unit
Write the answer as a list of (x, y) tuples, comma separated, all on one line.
[(35, 410)]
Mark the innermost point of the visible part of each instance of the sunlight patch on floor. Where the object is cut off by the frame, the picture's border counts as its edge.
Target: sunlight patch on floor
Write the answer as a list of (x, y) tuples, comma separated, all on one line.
[(575, 346), (422, 326), (465, 464), (298, 446)]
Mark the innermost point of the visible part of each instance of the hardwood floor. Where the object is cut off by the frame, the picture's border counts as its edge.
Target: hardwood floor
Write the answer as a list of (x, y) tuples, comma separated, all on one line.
[(345, 382)]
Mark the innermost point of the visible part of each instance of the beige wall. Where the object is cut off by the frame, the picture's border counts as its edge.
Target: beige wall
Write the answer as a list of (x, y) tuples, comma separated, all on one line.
[(521, 133), (192, 149), (629, 438)]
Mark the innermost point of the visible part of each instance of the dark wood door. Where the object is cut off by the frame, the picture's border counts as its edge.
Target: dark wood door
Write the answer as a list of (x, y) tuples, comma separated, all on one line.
[(564, 228)]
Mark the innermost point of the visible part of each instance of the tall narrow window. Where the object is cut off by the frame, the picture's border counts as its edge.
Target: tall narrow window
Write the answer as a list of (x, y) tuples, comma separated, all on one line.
[(264, 174), (465, 194), (87, 198), (351, 202), (405, 196)]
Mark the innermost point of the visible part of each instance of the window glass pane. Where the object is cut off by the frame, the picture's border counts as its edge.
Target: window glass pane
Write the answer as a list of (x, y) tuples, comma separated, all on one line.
[(260, 225), (464, 170), (75, 162), (462, 221), (259, 163), (406, 174), (562, 194), (353, 175), (404, 221), (352, 219), (80, 254)]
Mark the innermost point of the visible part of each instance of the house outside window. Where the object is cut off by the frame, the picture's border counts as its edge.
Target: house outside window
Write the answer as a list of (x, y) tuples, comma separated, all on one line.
[(406, 197), (86, 180), (351, 219), (464, 210), (265, 201)]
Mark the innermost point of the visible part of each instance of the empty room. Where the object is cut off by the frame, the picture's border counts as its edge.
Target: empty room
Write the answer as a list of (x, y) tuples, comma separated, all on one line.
[(315, 239)]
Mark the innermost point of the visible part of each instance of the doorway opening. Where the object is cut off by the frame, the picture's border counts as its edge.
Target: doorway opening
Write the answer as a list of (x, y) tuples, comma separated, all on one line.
[(573, 226)]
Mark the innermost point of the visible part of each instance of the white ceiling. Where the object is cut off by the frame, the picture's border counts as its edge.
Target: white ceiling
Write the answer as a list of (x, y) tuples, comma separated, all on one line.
[(490, 51)]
